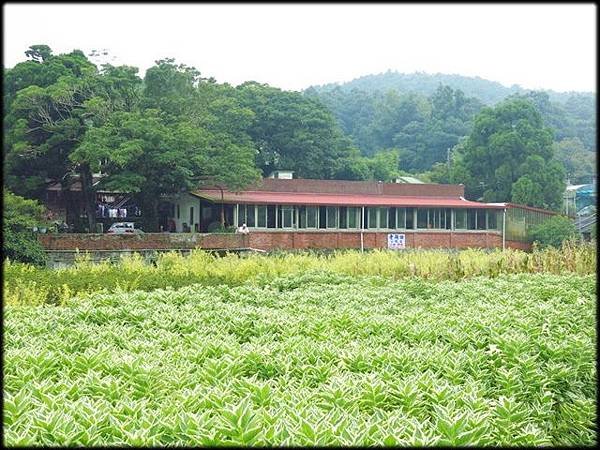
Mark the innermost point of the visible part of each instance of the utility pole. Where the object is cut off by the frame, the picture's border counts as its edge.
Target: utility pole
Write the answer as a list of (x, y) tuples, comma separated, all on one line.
[(362, 229)]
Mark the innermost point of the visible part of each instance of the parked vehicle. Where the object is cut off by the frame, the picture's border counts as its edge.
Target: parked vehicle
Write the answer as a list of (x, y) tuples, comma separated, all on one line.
[(124, 228)]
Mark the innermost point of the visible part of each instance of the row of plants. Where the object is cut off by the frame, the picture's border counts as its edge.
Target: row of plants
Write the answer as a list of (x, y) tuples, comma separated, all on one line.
[(26, 284), (309, 359)]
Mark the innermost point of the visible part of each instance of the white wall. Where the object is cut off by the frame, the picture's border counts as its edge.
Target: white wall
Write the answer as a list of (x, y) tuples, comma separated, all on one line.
[(185, 202)]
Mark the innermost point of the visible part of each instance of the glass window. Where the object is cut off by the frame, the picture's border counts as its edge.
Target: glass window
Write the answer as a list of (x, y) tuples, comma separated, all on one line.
[(322, 217), (481, 225), (392, 218), (492, 220), (271, 211), (191, 215), (460, 219), (433, 219), (302, 216), (178, 210), (261, 212), (383, 218), (471, 219), (241, 215), (332, 215), (353, 217), (286, 216), (372, 218), (422, 217), (343, 217), (312, 214), (410, 218), (250, 216), (401, 216)]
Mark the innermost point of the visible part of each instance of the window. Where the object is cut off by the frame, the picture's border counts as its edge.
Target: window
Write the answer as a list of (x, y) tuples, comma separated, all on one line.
[(410, 218), (372, 218), (312, 216), (343, 217), (492, 220), (401, 218), (446, 219), (191, 215), (481, 225), (286, 217), (433, 220), (322, 217), (471, 219), (261, 212), (301, 216), (460, 219), (332, 217), (250, 216), (353, 214), (392, 218), (383, 218), (422, 218), (178, 210), (271, 216), (241, 215)]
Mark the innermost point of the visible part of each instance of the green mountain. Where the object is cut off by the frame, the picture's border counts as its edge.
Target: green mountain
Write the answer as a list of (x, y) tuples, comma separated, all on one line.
[(423, 116), (488, 92)]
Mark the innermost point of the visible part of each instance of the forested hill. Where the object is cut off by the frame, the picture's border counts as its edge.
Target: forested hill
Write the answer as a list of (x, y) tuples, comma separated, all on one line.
[(488, 92), (423, 117)]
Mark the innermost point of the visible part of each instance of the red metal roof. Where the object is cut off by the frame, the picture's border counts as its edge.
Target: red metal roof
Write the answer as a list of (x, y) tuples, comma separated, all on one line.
[(318, 199), (519, 206)]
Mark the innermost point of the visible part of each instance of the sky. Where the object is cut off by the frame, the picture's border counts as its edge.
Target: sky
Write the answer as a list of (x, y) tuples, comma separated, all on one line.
[(294, 46)]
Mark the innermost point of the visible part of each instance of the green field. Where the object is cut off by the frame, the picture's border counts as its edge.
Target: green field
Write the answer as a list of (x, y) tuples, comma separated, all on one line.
[(315, 358)]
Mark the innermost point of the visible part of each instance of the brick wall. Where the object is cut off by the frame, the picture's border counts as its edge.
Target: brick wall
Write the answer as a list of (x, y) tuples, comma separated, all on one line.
[(270, 240), (144, 241)]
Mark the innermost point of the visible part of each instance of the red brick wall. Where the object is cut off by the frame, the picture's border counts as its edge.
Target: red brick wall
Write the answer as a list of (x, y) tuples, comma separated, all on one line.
[(139, 242), (518, 245), (316, 239), (270, 240)]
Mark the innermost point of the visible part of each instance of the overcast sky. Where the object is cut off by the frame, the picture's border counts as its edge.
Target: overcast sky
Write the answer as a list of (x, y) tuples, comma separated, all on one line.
[(297, 45)]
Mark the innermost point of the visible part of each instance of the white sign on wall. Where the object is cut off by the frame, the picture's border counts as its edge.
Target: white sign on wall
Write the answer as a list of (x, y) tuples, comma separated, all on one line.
[(396, 241)]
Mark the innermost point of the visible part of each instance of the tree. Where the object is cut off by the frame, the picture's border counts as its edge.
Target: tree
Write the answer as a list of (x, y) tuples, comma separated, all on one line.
[(579, 163), (39, 53), (509, 142), (149, 156), (294, 132), (554, 231), (47, 119), (19, 243), (182, 134), (527, 192), (384, 165)]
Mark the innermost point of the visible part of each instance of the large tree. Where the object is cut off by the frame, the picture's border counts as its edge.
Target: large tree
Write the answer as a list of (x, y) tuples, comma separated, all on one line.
[(508, 156), (294, 132), (172, 143), (51, 103)]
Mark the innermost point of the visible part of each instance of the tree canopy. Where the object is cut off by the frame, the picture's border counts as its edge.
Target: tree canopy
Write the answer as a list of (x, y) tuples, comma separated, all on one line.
[(509, 155)]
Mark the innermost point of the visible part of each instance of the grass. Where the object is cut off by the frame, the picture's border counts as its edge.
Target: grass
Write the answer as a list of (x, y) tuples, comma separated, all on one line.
[(321, 357), (25, 284)]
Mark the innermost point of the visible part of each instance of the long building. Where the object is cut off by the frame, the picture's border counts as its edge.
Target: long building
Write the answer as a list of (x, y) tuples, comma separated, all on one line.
[(283, 212)]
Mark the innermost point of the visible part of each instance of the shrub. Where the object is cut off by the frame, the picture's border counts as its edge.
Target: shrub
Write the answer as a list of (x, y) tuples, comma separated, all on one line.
[(554, 231), (19, 242)]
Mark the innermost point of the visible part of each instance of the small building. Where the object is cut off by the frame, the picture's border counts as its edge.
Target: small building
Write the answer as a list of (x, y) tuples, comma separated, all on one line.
[(284, 212), (66, 204), (579, 196)]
